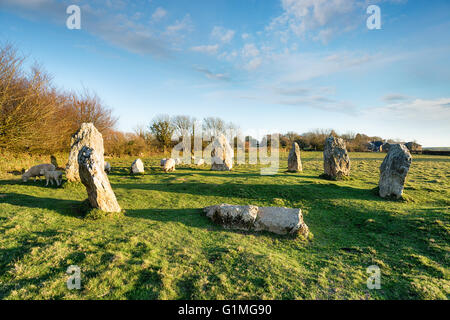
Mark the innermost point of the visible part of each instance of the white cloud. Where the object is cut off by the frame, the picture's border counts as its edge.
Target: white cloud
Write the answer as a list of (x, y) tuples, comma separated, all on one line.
[(254, 63), (210, 75), (209, 49), (245, 36), (222, 34), (180, 25), (325, 35), (108, 21), (395, 97), (318, 19), (419, 110), (159, 14), (250, 50), (228, 56)]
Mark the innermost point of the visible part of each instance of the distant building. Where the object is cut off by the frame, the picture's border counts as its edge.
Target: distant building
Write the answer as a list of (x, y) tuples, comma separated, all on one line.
[(414, 147)]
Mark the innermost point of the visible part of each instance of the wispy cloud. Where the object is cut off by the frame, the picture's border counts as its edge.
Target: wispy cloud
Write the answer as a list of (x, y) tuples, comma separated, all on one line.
[(250, 50), (419, 110), (395, 97), (320, 20), (180, 25), (209, 49), (159, 14), (222, 34), (210, 75), (108, 21)]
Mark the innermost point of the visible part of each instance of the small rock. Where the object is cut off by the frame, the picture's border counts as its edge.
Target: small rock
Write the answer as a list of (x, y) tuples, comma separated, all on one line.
[(137, 167), (169, 165), (107, 167)]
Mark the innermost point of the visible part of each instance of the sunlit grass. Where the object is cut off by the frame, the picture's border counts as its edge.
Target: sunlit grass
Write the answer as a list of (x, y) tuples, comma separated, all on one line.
[(165, 248)]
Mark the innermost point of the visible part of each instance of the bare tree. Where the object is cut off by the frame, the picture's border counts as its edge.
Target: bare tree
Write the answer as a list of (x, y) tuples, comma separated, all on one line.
[(28, 104), (86, 106), (213, 126), (232, 130), (183, 125)]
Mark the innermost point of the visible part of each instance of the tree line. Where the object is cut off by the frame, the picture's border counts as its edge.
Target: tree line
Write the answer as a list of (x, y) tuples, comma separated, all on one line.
[(38, 117)]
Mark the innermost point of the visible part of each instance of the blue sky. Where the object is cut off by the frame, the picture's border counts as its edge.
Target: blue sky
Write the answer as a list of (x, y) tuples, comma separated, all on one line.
[(266, 65)]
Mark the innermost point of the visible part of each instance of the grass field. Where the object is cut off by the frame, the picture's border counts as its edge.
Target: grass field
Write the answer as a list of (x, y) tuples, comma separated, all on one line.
[(165, 248)]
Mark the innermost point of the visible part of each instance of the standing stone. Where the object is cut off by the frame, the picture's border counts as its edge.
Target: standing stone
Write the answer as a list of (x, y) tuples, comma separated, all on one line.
[(94, 178), (252, 218), (294, 160), (221, 154), (87, 136), (137, 167), (393, 171), (336, 162)]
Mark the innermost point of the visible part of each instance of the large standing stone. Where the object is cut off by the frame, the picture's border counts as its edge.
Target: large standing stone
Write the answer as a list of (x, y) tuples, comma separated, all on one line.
[(94, 178), (221, 154), (393, 171), (87, 136), (137, 167), (294, 160), (273, 219), (336, 162)]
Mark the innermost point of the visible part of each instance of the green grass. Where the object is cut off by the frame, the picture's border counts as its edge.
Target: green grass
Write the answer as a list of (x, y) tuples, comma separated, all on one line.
[(163, 247)]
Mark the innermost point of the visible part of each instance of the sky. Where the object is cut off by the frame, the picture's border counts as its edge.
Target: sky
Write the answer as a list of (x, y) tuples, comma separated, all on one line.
[(265, 65)]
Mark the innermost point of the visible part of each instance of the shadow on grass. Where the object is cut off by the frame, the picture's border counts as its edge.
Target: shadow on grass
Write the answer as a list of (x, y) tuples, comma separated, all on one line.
[(147, 286), (72, 208), (9, 256), (302, 190), (31, 183), (394, 242), (34, 241), (14, 182)]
